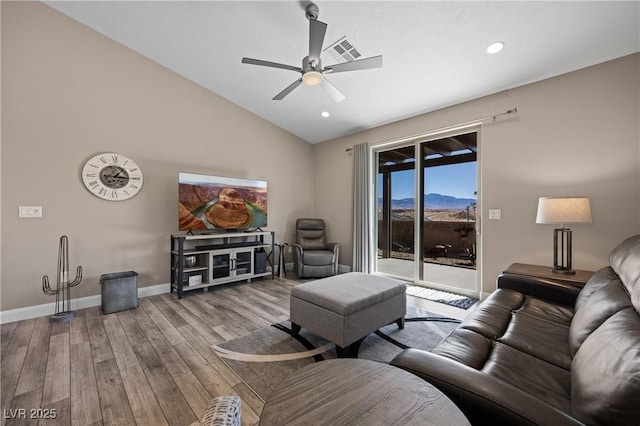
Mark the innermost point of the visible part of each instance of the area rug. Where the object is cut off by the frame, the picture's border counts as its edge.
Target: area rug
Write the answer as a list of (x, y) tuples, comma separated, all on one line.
[(451, 299), (266, 356)]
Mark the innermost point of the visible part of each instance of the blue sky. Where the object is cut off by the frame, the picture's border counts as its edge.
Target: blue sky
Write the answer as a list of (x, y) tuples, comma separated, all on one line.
[(457, 180)]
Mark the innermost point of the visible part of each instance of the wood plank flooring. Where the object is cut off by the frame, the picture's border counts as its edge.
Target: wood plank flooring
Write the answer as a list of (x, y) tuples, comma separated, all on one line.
[(147, 366)]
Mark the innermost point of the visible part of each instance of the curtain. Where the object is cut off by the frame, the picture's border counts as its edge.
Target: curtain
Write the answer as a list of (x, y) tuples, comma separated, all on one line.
[(362, 229)]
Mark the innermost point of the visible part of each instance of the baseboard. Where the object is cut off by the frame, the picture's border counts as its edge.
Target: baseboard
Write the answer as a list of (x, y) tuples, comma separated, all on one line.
[(343, 269), (48, 309)]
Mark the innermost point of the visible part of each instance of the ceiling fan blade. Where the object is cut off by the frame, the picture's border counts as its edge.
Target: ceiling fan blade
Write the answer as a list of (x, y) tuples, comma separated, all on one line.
[(335, 94), (270, 64), (317, 30), (360, 64), (288, 90)]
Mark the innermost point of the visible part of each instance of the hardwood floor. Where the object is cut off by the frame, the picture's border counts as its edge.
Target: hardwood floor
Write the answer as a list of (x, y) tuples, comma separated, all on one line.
[(147, 366)]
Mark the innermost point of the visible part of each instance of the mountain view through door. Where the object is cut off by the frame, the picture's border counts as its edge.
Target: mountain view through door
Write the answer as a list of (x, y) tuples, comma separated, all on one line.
[(442, 218)]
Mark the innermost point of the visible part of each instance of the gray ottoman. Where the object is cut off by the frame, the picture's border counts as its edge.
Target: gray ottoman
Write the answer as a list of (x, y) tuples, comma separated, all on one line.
[(344, 309)]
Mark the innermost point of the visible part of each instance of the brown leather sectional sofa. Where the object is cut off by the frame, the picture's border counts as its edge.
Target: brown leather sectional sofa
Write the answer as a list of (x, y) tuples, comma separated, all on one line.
[(537, 352)]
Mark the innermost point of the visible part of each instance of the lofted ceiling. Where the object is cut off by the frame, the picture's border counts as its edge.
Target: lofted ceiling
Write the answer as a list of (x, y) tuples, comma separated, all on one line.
[(434, 52)]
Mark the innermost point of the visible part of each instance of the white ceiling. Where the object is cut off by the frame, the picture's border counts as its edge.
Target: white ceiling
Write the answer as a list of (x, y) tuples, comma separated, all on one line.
[(433, 52)]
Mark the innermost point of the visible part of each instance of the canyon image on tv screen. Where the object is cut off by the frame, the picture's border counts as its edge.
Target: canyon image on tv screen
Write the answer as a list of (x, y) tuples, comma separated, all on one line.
[(216, 202)]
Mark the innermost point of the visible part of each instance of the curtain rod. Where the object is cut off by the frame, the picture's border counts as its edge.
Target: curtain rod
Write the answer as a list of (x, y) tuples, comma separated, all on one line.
[(492, 117)]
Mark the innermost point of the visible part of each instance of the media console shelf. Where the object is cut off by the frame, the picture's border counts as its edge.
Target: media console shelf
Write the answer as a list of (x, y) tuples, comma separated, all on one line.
[(204, 260)]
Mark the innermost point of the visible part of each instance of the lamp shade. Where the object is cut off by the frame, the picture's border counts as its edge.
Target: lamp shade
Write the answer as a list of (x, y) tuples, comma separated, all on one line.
[(563, 210)]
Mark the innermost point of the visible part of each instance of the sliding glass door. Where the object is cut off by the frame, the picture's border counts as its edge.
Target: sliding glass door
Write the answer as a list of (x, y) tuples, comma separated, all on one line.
[(396, 214), (449, 206), (427, 207)]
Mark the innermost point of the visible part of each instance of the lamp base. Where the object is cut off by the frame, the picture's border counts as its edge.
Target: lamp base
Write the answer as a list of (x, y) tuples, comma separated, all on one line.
[(561, 270), (562, 254)]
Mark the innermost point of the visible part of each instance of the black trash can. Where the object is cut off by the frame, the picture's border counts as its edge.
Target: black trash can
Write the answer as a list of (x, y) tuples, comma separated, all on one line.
[(119, 291)]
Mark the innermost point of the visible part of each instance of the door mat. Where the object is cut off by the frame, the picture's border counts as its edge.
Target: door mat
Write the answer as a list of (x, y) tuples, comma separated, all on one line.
[(451, 299)]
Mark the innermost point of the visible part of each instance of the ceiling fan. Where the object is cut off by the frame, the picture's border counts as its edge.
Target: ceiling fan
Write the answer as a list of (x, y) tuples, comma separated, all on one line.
[(312, 70)]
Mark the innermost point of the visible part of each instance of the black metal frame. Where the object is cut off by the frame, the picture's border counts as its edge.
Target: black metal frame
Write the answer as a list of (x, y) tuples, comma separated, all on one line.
[(385, 234), (562, 258)]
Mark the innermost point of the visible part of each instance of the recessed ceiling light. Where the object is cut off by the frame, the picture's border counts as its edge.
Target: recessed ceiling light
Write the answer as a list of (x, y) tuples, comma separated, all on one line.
[(325, 114), (495, 47)]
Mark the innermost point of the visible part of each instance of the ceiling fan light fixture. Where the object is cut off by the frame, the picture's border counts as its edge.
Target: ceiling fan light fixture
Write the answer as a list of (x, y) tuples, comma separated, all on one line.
[(312, 78), (312, 70)]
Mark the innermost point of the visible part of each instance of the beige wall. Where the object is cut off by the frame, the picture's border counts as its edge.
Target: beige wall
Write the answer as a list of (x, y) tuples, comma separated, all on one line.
[(69, 93), (576, 134)]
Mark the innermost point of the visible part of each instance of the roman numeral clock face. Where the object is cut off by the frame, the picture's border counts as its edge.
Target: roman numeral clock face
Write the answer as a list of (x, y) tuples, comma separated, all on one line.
[(113, 177)]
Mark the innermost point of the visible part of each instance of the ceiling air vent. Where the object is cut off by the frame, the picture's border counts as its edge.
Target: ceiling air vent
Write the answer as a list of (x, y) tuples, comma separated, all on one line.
[(343, 50)]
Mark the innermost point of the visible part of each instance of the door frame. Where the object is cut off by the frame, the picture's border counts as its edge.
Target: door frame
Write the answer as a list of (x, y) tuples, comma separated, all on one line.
[(416, 141), (376, 149)]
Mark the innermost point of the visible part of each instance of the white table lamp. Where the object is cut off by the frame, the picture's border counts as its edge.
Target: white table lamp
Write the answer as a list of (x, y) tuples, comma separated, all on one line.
[(557, 210)]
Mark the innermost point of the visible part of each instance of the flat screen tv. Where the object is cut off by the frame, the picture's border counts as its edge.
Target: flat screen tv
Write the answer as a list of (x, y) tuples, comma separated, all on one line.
[(220, 203)]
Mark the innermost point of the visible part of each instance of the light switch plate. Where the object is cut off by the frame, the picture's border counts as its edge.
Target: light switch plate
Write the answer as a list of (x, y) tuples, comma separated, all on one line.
[(495, 214), (29, 211)]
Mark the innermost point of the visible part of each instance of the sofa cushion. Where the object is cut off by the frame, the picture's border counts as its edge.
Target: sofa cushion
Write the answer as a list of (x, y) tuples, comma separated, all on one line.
[(598, 280), (625, 261), (539, 337), (312, 239), (601, 297), (605, 373), (466, 347), (546, 381), (552, 312), (492, 317), (317, 257)]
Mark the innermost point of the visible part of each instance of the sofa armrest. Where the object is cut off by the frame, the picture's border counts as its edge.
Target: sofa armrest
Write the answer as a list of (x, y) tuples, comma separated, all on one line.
[(334, 247), (297, 256), (484, 399), (298, 251), (551, 290)]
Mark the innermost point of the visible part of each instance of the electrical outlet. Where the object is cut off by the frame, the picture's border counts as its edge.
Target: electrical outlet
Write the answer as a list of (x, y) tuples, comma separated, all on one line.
[(29, 211), (495, 214)]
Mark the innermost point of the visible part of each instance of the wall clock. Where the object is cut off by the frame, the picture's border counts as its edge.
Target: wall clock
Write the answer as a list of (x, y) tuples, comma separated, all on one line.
[(111, 176)]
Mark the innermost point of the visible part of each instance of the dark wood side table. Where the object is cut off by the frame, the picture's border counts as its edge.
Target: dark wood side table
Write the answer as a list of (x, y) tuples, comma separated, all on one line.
[(578, 279), (357, 391)]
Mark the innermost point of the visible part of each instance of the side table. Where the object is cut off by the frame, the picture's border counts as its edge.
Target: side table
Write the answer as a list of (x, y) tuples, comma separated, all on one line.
[(579, 279), (282, 267), (357, 391)]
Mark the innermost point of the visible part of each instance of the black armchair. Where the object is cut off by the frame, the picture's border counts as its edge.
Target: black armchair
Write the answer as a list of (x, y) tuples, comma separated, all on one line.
[(313, 256)]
